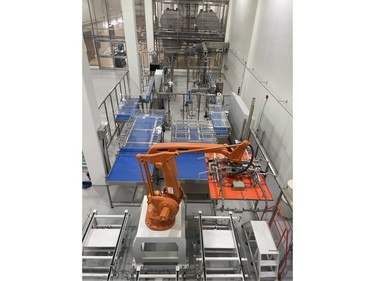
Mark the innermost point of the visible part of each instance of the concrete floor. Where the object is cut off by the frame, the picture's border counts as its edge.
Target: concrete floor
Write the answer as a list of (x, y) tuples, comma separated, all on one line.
[(104, 81), (96, 197)]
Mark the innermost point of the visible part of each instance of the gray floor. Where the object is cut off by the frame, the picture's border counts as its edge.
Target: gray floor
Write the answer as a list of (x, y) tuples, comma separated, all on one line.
[(104, 81), (96, 197)]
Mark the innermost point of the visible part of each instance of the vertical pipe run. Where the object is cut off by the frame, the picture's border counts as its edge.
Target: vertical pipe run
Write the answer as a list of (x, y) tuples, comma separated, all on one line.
[(261, 114), (250, 118), (109, 196), (125, 92), (243, 76), (106, 114), (118, 104), (120, 88), (113, 110)]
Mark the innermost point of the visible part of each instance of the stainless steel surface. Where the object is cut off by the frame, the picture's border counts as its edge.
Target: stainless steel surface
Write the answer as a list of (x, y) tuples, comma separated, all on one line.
[(218, 239), (263, 237), (221, 248), (101, 245), (262, 249), (102, 238)]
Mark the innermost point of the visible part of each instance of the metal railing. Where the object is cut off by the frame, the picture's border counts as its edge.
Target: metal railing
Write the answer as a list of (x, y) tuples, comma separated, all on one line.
[(281, 230), (112, 103)]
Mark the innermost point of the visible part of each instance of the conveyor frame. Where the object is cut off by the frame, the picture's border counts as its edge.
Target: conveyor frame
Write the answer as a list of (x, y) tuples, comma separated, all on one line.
[(229, 253), (102, 242)]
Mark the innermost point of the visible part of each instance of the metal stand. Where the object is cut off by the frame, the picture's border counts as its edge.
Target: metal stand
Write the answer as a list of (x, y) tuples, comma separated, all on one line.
[(101, 244), (263, 251), (219, 247), (162, 247)]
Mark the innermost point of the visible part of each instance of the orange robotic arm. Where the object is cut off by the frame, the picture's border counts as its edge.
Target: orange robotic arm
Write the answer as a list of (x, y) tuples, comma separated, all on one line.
[(163, 206)]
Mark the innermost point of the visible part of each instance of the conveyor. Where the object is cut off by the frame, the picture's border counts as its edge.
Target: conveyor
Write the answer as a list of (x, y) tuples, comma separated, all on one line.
[(126, 110), (141, 131), (220, 254), (102, 242)]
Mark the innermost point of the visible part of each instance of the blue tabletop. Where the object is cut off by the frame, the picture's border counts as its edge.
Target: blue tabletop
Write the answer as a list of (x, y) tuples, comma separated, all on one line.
[(125, 112), (189, 167), (221, 131), (126, 168), (147, 123)]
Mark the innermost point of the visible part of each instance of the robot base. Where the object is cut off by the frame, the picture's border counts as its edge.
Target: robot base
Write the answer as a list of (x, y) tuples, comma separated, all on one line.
[(160, 247)]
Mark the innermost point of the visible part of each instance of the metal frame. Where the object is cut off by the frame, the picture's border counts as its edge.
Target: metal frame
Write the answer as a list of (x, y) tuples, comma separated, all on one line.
[(232, 256), (115, 96), (281, 230), (158, 115), (102, 253), (93, 25), (276, 212), (205, 131), (130, 202), (175, 276), (262, 257)]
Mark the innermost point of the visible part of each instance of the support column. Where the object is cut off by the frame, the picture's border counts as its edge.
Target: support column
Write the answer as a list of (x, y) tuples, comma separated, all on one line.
[(149, 25), (91, 145), (131, 39), (229, 21)]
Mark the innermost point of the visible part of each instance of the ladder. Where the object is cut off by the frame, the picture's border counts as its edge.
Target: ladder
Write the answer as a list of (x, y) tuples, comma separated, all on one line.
[(263, 251)]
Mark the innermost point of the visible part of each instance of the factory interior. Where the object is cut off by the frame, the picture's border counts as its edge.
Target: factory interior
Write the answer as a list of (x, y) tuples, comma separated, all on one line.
[(187, 122), (187, 152)]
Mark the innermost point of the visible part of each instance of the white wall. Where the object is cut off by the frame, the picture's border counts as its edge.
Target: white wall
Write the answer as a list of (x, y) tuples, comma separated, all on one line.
[(240, 33), (270, 54), (273, 51), (243, 14)]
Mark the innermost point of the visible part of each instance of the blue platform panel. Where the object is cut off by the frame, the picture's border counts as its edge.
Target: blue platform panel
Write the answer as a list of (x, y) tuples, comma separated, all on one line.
[(189, 167), (147, 123), (125, 112), (126, 168)]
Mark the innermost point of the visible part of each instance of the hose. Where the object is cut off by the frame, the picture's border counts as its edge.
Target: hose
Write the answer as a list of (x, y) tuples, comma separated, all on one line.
[(248, 165)]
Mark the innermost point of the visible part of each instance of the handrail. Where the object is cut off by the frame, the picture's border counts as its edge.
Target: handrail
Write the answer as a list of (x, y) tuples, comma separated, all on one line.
[(114, 88), (283, 234), (120, 92)]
